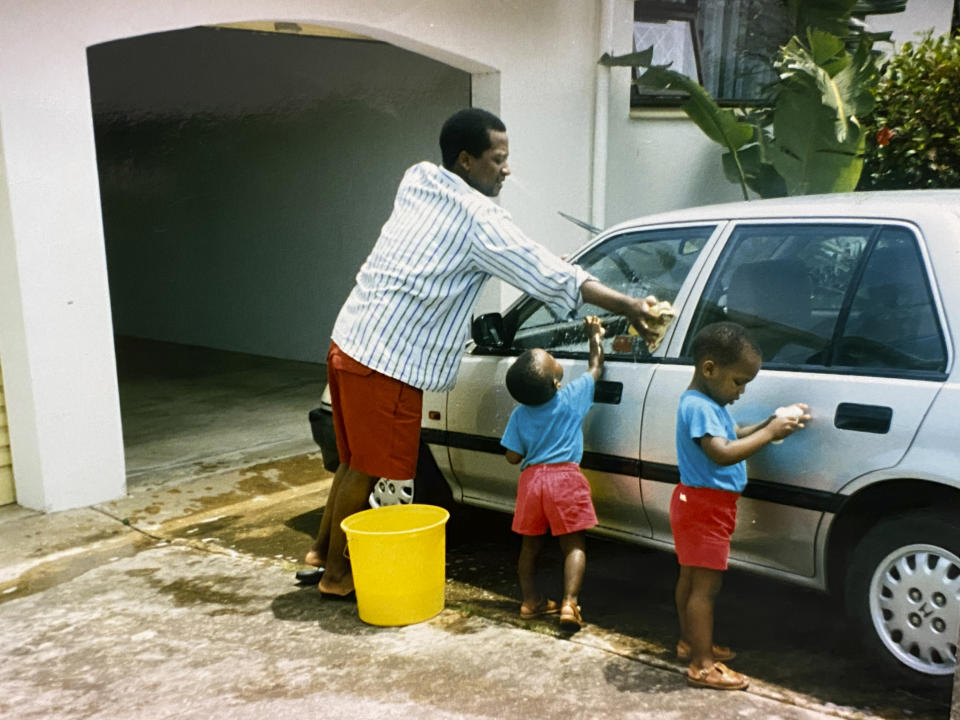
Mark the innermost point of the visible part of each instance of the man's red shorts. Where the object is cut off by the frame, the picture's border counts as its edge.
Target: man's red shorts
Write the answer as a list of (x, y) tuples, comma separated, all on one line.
[(376, 418), (555, 496), (702, 520)]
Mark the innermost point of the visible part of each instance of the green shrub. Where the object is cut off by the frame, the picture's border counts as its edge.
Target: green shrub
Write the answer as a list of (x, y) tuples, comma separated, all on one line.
[(913, 136)]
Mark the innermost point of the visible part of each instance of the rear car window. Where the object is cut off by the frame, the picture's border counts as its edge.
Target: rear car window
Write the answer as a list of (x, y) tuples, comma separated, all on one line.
[(828, 295)]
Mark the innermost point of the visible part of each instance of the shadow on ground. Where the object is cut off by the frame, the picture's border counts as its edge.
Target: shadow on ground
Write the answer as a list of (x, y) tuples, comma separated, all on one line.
[(791, 637)]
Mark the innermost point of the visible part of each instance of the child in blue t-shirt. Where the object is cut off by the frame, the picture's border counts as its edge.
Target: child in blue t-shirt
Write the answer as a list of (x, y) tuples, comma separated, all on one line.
[(545, 433), (711, 454)]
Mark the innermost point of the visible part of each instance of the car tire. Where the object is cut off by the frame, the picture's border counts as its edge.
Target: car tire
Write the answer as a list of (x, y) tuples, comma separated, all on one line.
[(903, 593)]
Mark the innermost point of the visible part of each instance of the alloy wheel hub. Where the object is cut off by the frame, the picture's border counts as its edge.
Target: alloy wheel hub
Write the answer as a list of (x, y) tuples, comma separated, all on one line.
[(915, 606)]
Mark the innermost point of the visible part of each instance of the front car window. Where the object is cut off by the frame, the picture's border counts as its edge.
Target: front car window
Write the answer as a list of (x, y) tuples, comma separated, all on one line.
[(638, 264), (826, 295)]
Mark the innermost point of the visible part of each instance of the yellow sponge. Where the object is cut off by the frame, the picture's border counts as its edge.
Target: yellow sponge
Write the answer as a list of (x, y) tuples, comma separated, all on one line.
[(663, 314)]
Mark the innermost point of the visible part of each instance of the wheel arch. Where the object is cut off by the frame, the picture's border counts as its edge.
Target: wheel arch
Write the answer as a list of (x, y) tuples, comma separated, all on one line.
[(875, 503)]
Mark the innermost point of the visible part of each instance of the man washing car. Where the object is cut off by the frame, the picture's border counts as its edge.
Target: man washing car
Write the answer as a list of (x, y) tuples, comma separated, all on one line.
[(405, 324)]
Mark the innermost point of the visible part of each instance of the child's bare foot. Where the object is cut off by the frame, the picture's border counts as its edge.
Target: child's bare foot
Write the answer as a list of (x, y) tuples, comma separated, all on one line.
[(720, 652), (541, 607), (313, 558), (716, 677)]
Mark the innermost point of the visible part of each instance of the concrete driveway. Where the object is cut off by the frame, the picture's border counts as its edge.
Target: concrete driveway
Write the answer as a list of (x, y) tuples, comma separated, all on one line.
[(179, 602)]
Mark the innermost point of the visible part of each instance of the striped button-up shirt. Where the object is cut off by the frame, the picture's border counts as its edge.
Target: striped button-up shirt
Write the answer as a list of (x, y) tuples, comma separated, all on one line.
[(408, 316)]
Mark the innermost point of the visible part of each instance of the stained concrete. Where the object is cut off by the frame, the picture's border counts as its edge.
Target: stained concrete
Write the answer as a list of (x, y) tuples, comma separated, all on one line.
[(178, 601), (192, 628), (174, 632)]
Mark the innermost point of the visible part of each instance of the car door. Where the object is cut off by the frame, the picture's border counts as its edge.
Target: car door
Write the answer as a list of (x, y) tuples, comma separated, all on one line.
[(847, 322), (657, 261)]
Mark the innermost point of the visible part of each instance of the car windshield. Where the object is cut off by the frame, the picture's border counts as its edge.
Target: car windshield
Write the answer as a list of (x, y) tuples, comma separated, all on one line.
[(638, 264)]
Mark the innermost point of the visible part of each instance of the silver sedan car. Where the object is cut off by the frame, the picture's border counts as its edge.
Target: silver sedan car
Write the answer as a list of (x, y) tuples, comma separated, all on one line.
[(854, 300)]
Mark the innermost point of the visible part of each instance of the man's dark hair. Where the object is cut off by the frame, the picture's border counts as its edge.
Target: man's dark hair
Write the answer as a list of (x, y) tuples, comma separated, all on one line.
[(527, 381), (722, 342), (469, 130)]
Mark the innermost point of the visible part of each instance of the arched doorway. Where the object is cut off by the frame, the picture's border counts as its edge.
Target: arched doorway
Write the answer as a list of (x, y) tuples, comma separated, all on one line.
[(244, 175)]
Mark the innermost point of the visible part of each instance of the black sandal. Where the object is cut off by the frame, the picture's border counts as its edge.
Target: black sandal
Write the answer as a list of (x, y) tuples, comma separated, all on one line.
[(309, 577)]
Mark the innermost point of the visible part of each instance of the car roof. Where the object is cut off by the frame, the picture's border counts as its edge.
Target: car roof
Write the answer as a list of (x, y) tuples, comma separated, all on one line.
[(882, 204)]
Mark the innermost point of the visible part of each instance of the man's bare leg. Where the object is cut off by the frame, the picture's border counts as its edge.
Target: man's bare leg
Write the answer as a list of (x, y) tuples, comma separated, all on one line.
[(352, 496), (317, 554)]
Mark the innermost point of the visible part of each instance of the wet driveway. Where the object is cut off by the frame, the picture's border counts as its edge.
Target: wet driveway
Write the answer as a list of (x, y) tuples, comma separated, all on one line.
[(184, 606)]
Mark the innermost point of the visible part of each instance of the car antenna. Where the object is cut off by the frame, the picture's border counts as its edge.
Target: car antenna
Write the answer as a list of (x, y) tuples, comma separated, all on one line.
[(582, 223)]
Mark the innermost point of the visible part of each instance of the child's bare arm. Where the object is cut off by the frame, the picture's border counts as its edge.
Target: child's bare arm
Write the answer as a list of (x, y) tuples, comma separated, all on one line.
[(750, 439), (513, 457), (594, 335), (730, 452), (801, 419)]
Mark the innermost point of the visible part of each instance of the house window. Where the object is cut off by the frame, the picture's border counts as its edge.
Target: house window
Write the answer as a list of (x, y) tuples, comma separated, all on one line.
[(725, 45)]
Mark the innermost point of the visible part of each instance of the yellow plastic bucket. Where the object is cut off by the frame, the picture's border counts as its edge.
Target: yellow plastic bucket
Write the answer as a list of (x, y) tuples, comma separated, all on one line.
[(398, 555)]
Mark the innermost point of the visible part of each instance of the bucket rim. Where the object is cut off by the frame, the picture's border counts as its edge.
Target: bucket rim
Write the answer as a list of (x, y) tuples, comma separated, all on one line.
[(441, 520)]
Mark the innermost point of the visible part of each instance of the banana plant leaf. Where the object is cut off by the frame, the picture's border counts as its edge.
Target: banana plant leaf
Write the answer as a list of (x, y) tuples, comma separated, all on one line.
[(878, 7), (832, 16), (805, 150), (843, 82), (758, 171), (642, 59)]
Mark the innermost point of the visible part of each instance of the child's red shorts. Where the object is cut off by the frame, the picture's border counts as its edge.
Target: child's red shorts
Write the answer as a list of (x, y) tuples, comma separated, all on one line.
[(555, 496), (376, 418), (702, 520)]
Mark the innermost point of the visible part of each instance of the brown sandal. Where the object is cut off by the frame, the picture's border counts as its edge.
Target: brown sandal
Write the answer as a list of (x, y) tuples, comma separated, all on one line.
[(718, 677), (544, 607), (570, 617), (720, 653)]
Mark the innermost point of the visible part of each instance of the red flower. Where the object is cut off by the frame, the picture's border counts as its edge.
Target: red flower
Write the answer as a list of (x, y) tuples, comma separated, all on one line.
[(884, 135)]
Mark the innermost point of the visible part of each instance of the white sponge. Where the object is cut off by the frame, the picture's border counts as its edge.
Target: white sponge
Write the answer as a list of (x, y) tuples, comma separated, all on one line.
[(793, 411)]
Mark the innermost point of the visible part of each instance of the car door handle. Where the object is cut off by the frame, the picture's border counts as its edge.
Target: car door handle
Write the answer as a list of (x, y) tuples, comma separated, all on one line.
[(607, 392), (863, 418)]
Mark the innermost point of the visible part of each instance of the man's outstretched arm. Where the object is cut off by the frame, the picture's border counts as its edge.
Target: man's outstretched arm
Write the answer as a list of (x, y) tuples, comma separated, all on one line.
[(637, 310)]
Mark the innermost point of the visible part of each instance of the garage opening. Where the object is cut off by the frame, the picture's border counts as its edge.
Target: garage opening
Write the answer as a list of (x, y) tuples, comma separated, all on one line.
[(244, 176)]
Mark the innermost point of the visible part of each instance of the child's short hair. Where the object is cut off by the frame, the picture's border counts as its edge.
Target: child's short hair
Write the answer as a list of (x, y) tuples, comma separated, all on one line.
[(722, 342), (527, 380)]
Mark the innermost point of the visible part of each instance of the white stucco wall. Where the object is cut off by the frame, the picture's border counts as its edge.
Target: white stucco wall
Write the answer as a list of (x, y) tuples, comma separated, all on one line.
[(55, 324), (534, 61)]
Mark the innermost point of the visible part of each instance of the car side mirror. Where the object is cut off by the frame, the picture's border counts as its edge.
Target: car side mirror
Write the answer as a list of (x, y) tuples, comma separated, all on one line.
[(487, 331)]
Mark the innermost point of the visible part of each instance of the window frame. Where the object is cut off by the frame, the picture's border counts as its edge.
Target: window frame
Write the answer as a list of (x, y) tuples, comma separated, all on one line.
[(662, 11)]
